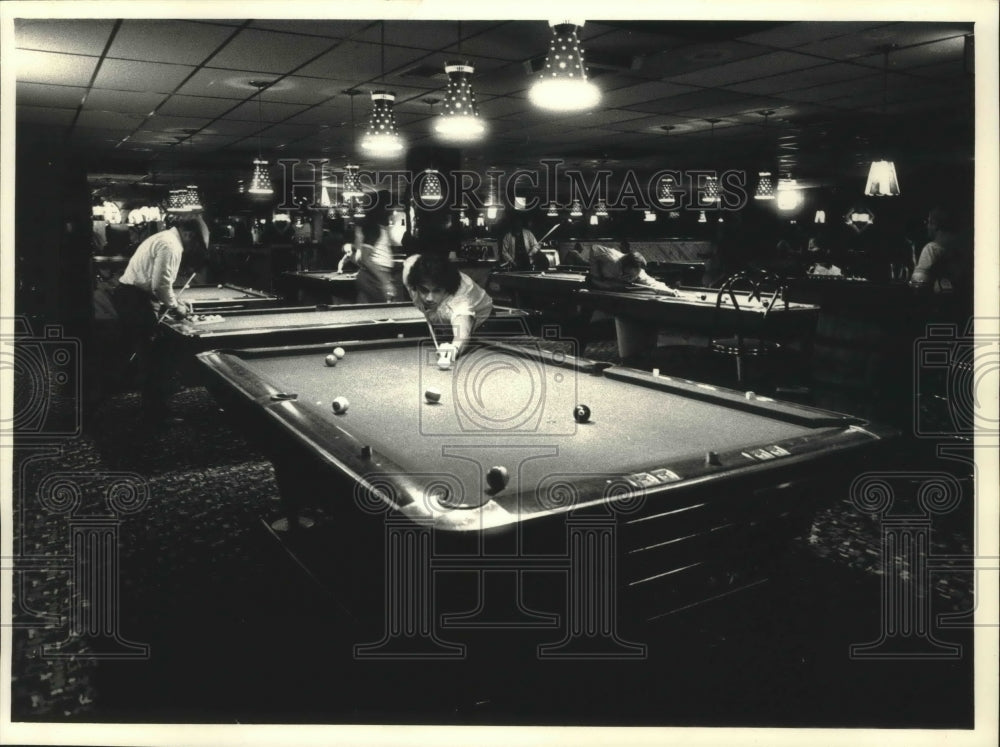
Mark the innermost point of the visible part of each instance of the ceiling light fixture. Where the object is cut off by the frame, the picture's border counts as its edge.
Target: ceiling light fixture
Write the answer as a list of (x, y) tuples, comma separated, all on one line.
[(382, 139), (562, 84), (882, 181), (352, 182), (575, 210), (260, 181), (765, 181), (460, 120), (430, 187)]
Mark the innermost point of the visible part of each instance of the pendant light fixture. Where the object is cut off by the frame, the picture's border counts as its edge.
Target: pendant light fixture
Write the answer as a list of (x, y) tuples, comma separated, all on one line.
[(575, 210), (882, 181), (382, 139), (765, 180), (562, 84), (430, 187), (552, 213), (260, 180), (666, 184), (712, 197), (352, 181), (460, 120)]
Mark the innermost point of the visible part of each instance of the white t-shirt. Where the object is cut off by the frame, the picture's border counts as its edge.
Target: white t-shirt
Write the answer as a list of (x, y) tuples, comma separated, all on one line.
[(469, 300)]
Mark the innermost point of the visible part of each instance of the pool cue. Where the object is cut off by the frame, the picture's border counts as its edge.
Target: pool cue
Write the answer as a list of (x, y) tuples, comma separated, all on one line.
[(549, 232), (430, 328), (167, 311)]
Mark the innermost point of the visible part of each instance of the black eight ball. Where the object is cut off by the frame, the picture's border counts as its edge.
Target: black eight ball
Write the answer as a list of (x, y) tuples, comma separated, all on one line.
[(581, 413)]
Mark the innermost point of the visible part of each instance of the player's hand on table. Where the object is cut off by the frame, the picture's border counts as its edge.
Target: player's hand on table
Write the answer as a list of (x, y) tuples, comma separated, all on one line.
[(447, 351), (181, 311), (667, 292)]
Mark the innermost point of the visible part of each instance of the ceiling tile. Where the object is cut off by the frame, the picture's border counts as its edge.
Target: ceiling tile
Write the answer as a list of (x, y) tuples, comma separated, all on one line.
[(76, 36), (52, 67), (267, 111), (642, 92), (129, 75), (752, 67), (695, 100), (698, 56), (301, 90), (831, 73), (41, 94), (195, 106), (793, 35), (336, 29), (45, 115), (229, 84), (231, 127), (269, 51), (110, 120), (132, 102), (190, 43)]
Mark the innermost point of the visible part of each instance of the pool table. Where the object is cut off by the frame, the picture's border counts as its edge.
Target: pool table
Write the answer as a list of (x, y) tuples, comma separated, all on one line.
[(692, 487), (206, 299), (319, 286), (300, 325), (527, 289), (641, 315)]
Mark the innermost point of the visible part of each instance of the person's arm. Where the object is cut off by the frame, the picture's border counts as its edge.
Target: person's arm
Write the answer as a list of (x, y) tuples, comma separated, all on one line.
[(645, 280), (166, 264), (507, 250), (923, 273), (531, 243), (603, 273)]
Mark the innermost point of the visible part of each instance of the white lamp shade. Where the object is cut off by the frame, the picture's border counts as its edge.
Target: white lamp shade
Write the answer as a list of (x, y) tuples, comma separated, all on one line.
[(460, 120), (882, 180), (382, 138), (562, 83)]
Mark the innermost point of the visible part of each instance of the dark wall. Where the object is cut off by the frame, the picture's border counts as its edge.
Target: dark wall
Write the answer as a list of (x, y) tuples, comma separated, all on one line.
[(52, 233)]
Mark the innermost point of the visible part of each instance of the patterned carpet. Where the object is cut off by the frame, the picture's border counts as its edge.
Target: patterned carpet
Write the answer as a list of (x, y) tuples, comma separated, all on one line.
[(236, 632)]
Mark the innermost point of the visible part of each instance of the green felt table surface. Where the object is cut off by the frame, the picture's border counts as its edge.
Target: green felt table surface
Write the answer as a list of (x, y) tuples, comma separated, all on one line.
[(502, 409)]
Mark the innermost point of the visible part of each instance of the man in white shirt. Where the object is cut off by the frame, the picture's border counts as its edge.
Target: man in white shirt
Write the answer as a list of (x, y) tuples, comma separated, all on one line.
[(611, 269), (146, 286), (519, 247)]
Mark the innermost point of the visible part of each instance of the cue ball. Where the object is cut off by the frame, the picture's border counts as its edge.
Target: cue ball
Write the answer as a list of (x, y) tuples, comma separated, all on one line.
[(331, 360), (433, 394), (339, 352), (497, 478), (340, 404), (444, 364), (751, 395), (581, 413)]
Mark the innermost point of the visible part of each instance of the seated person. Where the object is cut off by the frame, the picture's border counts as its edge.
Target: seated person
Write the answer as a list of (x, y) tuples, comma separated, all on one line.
[(820, 256), (574, 256), (943, 263), (611, 269), (446, 297)]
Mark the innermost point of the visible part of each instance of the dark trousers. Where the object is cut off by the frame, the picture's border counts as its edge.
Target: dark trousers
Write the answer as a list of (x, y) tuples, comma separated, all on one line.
[(139, 328)]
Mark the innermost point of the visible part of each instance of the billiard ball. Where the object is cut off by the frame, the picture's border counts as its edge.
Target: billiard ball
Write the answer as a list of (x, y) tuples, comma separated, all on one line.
[(331, 360), (444, 362), (497, 478), (581, 413), (433, 394), (340, 405), (750, 395), (339, 352)]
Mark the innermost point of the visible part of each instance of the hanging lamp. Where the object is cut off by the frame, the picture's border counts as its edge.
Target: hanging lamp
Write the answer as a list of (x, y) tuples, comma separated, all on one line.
[(882, 181), (260, 180), (382, 139), (562, 84), (765, 180), (460, 120), (352, 181)]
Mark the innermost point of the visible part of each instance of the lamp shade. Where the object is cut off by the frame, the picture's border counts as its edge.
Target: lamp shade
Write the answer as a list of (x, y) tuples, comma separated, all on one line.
[(352, 182), (711, 195), (765, 186), (382, 138), (192, 200), (562, 83), (175, 202), (260, 182), (665, 191), (430, 186), (460, 120), (575, 210), (882, 180)]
